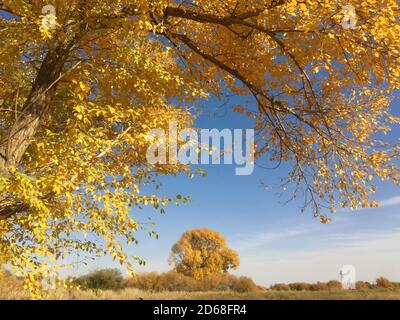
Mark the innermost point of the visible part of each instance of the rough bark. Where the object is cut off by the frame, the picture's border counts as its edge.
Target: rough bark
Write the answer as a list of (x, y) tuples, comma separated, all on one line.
[(23, 130)]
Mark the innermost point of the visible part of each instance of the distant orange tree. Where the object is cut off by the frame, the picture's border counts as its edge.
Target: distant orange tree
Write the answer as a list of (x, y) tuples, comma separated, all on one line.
[(202, 252), (383, 282)]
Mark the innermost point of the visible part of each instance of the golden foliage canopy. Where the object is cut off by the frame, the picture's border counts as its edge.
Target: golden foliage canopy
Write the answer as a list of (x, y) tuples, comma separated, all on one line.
[(80, 90), (202, 252)]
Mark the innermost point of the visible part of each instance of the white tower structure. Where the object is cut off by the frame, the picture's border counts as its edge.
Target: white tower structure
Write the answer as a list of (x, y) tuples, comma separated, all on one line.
[(348, 277)]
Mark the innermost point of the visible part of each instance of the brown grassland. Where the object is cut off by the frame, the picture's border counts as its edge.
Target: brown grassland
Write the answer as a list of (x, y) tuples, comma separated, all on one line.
[(135, 294), (12, 289)]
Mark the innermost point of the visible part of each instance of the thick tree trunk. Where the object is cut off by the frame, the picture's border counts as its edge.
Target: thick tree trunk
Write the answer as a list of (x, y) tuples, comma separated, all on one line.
[(22, 132)]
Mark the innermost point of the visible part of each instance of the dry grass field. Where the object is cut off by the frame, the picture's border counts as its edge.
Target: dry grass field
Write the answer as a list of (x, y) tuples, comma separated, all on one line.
[(12, 289), (135, 294)]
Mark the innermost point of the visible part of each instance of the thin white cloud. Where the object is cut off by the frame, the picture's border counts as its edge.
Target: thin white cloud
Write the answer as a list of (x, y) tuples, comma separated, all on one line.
[(267, 237), (373, 254), (394, 201)]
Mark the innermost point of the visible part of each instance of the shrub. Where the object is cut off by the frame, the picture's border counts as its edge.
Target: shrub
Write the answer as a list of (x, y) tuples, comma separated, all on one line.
[(319, 286), (101, 279), (217, 282), (280, 287), (299, 286), (334, 285), (168, 281), (244, 284), (363, 285), (228, 282), (173, 281), (384, 283), (144, 281)]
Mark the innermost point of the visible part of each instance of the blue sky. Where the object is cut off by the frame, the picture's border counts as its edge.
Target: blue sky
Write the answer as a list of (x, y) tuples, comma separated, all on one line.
[(275, 241)]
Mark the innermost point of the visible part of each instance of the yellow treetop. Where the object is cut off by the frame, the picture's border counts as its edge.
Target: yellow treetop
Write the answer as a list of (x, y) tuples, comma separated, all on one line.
[(202, 252)]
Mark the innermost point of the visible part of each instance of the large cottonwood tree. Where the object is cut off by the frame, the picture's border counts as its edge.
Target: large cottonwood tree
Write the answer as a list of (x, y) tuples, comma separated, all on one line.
[(202, 252), (78, 97)]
